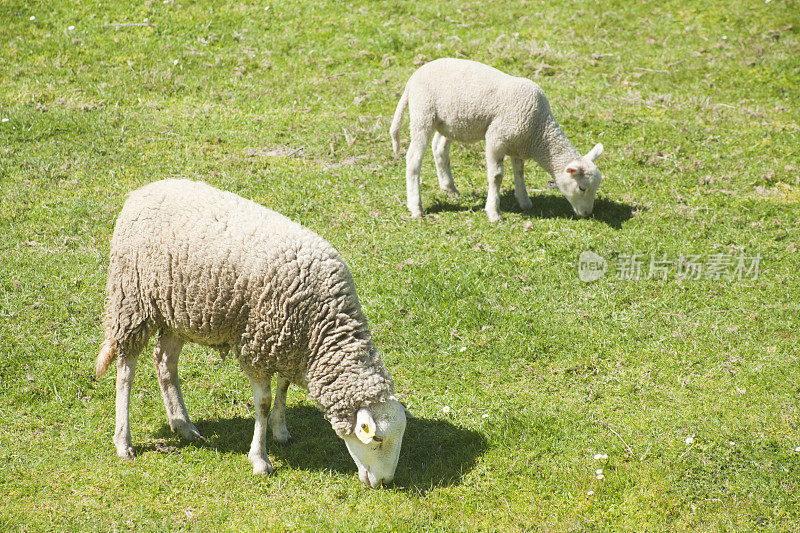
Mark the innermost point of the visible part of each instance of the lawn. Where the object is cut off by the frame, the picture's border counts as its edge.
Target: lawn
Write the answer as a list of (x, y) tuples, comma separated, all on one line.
[(664, 395)]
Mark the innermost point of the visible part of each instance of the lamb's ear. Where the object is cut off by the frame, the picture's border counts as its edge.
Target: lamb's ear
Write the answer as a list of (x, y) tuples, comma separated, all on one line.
[(365, 426), (574, 168), (595, 152)]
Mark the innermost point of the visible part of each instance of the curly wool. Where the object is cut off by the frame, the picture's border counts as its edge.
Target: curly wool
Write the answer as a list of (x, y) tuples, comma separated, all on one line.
[(223, 271)]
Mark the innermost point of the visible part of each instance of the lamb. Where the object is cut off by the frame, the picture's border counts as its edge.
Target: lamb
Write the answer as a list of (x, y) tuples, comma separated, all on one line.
[(455, 99), (194, 263)]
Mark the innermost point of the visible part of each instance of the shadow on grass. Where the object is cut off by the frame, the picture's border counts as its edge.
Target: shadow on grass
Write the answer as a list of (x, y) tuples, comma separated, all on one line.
[(544, 206), (435, 453)]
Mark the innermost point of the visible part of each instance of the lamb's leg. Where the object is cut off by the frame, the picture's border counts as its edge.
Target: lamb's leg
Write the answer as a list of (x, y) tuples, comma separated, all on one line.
[(416, 150), (440, 146), (165, 359), (494, 171), (262, 396), (520, 191), (277, 417)]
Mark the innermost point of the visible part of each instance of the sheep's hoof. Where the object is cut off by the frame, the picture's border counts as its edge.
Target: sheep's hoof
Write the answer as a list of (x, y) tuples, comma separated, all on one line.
[(187, 430), (494, 217), (261, 467), (283, 438), (525, 205), (415, 213), (125, 453), (451, 191)]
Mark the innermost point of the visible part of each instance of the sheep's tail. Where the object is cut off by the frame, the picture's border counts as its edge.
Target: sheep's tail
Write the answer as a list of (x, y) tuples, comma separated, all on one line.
[(108, 352), (397, 121)]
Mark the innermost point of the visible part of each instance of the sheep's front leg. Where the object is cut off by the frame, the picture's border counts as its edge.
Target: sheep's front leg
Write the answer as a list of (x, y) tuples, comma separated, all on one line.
[(126, 370), (262, 396), (416, 150), (165, 359), (440, 146), (277, 417), (520, 191), (494, 171)]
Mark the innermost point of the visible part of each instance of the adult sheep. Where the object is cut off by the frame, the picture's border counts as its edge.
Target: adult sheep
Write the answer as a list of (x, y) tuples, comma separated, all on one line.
[(194, 263), (459, 100)]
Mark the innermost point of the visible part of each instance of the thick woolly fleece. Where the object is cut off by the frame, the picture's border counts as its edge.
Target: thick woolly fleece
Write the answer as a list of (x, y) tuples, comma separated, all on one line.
[(483, 102), (223, 271)]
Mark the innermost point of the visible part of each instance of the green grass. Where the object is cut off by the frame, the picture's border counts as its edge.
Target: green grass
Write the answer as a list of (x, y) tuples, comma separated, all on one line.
[(696, 105)]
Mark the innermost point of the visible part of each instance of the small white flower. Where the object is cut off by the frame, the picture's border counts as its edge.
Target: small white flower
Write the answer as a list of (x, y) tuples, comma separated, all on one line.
[(689, 440), (175, 62), (462, 349), (600, 476), (589, 492), (796, 449), (446, 409), (732, 443), (599, 471), (485, 415), (33, 18), (5, 119), (71, 28), (600, 456)]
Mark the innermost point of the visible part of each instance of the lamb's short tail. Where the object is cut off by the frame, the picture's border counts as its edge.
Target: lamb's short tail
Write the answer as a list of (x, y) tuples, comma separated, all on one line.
[(108, 352), (397, 121)]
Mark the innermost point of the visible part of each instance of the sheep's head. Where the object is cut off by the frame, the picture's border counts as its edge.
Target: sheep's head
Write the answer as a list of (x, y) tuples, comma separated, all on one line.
[(375, 441), (579, 182)]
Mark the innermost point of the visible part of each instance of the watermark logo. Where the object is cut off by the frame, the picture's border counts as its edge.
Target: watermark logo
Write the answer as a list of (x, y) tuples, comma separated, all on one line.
[(635, 267), (591, 266)]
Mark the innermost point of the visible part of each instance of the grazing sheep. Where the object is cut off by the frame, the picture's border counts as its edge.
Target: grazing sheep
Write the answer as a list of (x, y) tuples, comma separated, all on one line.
[(459, 100), (197, 264)]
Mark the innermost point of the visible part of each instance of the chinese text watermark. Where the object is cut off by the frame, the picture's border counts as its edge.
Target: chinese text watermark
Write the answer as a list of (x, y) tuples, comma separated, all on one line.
[(635, 267)]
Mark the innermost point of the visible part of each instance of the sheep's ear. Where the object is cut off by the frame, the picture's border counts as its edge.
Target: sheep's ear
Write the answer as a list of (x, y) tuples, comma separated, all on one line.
[(573, 168), (365, 426), (405, 409), (409, 414), (595, 152)]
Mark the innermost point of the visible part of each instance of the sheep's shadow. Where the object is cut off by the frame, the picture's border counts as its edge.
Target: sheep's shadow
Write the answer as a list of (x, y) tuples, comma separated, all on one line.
[(435, 453), (544, 206)]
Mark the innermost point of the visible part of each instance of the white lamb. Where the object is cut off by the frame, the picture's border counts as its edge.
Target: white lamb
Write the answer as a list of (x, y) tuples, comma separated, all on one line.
[(197, 264), (466, 101)]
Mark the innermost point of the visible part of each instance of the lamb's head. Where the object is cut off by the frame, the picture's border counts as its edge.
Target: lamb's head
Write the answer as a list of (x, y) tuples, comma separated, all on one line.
[(579, 182), (374, 443)]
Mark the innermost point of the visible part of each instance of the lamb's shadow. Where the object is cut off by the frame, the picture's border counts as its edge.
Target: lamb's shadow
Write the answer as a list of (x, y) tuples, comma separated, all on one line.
[(435, 453), (544, 206)]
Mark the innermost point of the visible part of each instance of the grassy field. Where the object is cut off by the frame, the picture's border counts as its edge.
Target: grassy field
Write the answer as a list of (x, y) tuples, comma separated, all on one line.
[(663, 396)]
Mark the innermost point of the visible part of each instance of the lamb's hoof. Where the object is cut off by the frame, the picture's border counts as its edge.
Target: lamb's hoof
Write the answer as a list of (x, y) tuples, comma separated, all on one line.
[(526, 205), (452, 191), (125, 453), (261, 467), (190, 432), (416, 214), (494, 217), (285, 441)]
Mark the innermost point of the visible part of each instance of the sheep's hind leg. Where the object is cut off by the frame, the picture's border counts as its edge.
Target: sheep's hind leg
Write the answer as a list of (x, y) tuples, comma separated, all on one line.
[(165, 359), (414, 155), (277, 417), (520, 191), (494, 171), (262, 397), (440, 146), (126, 370)]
